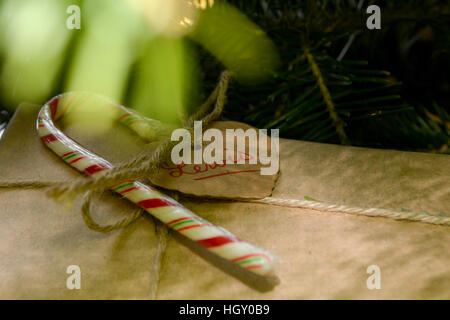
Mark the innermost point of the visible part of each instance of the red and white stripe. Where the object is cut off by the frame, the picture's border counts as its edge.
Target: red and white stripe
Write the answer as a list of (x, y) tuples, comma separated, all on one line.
[(164, 208)]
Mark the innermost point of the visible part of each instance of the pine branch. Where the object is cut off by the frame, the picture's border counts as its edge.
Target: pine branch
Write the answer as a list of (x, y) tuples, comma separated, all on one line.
[(316, 97), (337, 121)]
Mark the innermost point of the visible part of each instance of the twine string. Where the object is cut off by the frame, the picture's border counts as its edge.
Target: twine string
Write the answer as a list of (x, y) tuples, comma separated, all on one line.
[(142, 166), (91, 224), (163, 235), (147, 164), (369, 212), (296, 203)]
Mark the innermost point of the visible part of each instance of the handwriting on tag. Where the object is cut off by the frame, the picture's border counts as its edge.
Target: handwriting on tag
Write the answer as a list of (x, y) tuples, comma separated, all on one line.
[(237, 176)]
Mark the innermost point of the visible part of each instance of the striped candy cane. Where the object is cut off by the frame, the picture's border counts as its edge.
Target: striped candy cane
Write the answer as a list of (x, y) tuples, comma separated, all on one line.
[(164, 208)]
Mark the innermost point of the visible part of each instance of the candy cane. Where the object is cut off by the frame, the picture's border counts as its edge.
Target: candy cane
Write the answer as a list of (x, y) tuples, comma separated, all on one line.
[(164, 208)]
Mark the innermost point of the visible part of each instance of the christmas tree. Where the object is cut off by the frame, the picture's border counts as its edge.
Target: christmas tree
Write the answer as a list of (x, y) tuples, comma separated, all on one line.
[(334, 71)]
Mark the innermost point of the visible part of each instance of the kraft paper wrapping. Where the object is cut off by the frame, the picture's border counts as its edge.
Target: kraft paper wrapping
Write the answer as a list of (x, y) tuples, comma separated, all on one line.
[(323, 255)]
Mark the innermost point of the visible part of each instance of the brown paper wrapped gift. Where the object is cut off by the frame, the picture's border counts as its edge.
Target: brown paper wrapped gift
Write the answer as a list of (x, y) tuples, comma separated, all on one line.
[(323, 255)]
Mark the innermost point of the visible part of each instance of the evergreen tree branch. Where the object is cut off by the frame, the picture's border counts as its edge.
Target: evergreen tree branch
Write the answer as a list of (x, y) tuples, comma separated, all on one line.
[(337, 121)]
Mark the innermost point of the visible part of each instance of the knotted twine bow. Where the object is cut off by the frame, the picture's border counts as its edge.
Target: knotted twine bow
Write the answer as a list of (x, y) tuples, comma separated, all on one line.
[(143, 165)]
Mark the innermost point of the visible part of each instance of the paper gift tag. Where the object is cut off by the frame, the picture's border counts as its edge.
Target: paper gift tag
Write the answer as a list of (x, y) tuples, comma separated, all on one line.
[(227, 178)]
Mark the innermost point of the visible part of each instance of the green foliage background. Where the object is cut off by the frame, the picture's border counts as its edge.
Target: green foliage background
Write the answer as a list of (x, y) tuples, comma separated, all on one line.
[(391, 88)]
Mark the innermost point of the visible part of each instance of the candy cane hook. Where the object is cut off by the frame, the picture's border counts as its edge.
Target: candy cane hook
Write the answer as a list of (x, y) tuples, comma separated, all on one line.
[(167, 210)]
